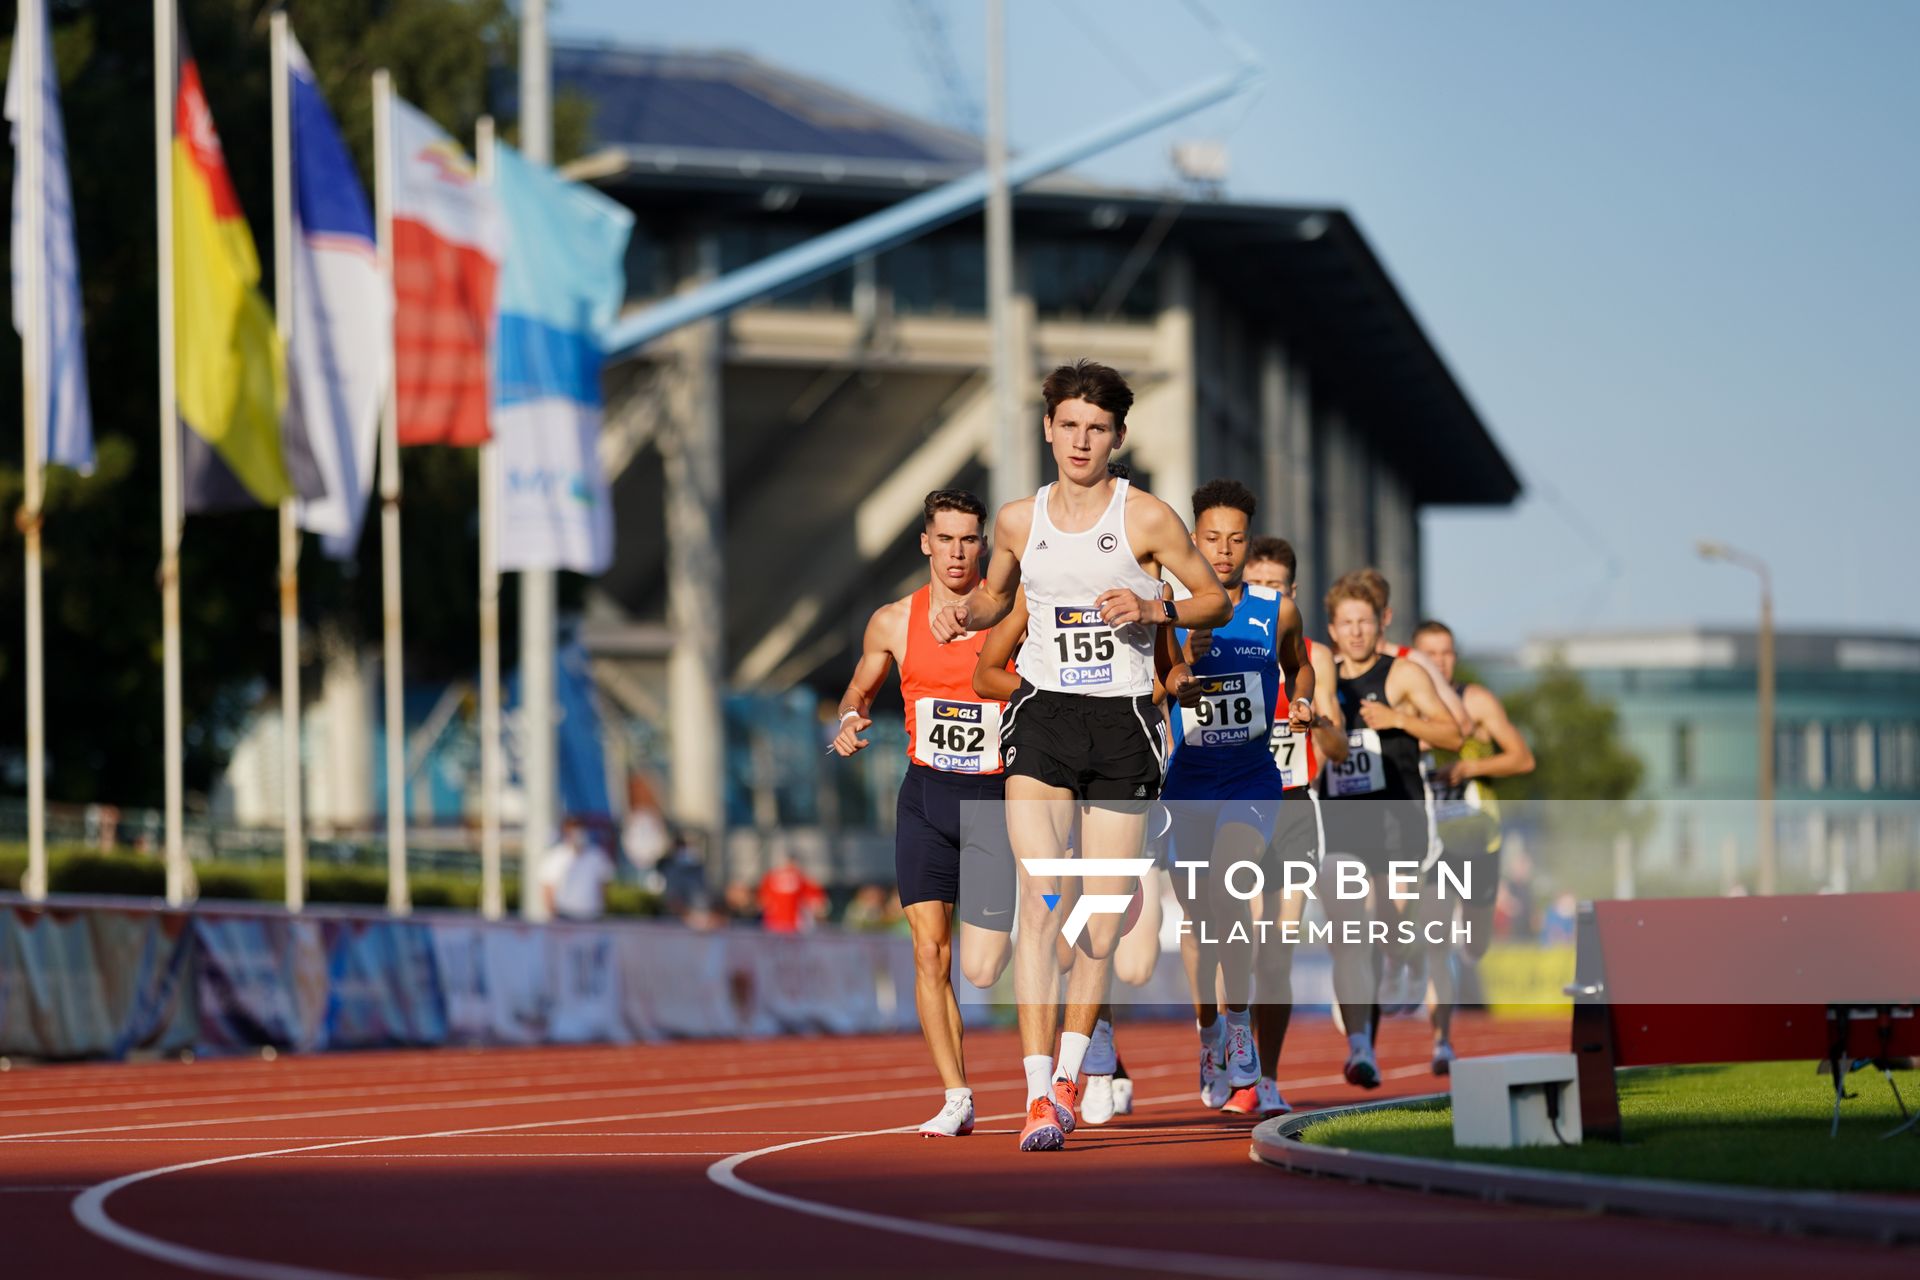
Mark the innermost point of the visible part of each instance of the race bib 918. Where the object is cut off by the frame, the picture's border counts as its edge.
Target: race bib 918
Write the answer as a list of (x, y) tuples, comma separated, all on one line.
[(1363, 772), (1232, 711), (955, 736)]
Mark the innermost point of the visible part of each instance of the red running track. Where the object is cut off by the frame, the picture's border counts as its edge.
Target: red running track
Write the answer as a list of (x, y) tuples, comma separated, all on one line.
[(779, 1157)]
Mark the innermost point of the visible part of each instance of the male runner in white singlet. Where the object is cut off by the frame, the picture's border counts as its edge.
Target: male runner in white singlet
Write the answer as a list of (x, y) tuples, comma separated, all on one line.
[(1083, 730)]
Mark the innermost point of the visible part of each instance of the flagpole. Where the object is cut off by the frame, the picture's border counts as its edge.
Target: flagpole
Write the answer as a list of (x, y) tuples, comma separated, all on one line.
[(164, 89), (34, 424), (492, 900), (537, 586), (399, 899), (295, 870)]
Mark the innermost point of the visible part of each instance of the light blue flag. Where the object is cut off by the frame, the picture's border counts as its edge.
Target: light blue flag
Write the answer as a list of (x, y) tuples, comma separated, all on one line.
[(60, 353), (562, 279)]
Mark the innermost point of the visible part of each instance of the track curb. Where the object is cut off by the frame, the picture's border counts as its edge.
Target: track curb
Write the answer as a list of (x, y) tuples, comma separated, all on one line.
[(1277, 1143)]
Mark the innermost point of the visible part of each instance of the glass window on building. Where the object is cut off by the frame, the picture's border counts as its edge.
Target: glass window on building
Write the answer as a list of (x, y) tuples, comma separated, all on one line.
[(1790, 754), (1816, 757), (1840, 758), (744, 245), (1074, 279), (1683, 754), (937, 277)]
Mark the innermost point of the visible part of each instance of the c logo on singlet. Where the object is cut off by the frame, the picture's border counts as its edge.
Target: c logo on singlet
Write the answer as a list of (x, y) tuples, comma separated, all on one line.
[(956, 711), (1063, 617), (1108, 542)]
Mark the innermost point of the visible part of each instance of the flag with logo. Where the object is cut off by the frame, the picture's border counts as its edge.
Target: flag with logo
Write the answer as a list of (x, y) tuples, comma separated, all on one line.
[(446, 260), (229, 366), (340, 340), (46, 276), (561, 287)]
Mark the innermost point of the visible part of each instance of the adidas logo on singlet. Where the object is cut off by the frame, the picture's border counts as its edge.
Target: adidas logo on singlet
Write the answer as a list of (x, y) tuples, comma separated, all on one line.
[(1042, 546)]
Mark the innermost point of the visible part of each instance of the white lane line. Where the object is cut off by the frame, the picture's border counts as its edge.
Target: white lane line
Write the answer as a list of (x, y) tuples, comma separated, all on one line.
[(725, 1173), (90, 1207), (586, 1095)]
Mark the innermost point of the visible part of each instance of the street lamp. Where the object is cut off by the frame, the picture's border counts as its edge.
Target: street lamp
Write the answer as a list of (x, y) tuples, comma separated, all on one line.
[(1769, 865)]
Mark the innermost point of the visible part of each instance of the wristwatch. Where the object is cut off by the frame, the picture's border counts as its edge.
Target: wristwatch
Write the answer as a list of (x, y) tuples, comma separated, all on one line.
[(1166, 607)]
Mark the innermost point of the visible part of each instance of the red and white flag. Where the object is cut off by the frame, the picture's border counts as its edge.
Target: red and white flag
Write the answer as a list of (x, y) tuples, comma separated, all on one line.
[(447, 238)]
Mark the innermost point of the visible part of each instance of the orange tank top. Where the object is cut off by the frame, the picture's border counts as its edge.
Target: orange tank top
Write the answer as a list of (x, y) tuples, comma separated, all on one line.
[(949, 726), (1298, 773)]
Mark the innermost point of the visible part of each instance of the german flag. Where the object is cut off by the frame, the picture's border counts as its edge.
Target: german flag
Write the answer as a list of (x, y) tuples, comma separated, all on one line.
[(228, 358)]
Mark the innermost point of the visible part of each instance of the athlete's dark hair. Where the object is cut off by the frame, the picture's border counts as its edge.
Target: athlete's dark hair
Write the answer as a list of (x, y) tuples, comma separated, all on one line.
[(1433, 627), (1352, 587), (953, 500), (1223, 493), (1278, 550), (1099, 385)]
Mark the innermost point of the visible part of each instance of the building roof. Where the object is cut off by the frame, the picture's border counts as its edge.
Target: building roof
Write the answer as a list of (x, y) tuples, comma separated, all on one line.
[(1735, 648), (725, 130)]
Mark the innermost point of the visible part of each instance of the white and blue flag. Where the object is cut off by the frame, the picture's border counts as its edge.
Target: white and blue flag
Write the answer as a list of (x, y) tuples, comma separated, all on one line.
[(562, 279), (340, 341), (46, 311)]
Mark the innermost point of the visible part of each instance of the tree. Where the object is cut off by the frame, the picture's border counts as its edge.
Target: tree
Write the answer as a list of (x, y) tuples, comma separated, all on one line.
[(101, 540), (1575, 740)]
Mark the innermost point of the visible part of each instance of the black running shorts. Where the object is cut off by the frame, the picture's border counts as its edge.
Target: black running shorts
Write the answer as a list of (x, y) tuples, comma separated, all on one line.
[(1105, 750), (1296, 836), (950, 844)]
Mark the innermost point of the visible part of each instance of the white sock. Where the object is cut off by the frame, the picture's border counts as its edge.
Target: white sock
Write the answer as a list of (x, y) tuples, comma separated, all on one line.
[(960, 1092), (1039, 1068), (1359, 1042), (1244, 1018), (1212, 1033), (1073, 1051)]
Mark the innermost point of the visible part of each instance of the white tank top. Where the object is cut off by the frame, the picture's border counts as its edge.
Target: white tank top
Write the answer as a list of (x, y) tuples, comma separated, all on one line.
[(1068, 648)]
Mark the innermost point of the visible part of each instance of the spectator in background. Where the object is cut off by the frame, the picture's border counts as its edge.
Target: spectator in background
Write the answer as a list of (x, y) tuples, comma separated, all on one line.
[(740, 905), (644, 839), (683, 874), (575, 874), (869, 911), (789, 900)]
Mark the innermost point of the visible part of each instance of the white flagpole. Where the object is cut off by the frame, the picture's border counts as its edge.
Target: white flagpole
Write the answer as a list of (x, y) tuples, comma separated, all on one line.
[(295, 870), (399, 900), (33, 339), (537, 586), (492, 900), (164, 87)]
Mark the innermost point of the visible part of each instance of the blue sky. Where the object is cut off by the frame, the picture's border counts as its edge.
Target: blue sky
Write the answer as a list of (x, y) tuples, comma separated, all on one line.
[(1668, 248)]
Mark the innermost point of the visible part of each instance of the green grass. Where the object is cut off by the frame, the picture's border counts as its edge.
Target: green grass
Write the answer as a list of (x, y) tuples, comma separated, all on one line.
[(1757, 1124)]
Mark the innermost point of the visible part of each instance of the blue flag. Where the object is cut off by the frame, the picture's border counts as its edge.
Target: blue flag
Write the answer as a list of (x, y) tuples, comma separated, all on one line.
[(46, 276), (562, 279)]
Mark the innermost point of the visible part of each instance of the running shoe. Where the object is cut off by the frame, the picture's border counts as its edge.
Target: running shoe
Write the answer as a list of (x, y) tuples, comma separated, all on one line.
[(1066, 1100), (1101, 1056), (1213, 1083), (1123, 1095), (1362, 1070), (1043, 1132), (1261, 1100), (954, 1121), (1243, 1059), (1443, 1059), (1096, 1103)]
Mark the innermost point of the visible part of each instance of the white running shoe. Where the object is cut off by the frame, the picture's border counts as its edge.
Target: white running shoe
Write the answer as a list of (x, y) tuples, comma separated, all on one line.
[(1214, 1090), (954, 1121), (1268, 1100), (1096, 1101), (1362, 1070), (1123, 1095), (1101, 1059), (1443, 1059), (1243, 1058)]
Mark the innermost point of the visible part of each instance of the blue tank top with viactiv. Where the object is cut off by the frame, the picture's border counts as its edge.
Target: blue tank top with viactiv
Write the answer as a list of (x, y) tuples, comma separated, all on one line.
[(1223, 738)]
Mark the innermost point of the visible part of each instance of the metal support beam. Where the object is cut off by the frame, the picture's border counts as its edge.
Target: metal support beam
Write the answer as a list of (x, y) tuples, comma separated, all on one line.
[(898, 223)]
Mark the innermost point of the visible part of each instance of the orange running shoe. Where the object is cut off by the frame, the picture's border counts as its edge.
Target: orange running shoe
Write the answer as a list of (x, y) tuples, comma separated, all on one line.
[(1242, 1103), (1066, 1100), (1043, 1132)]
